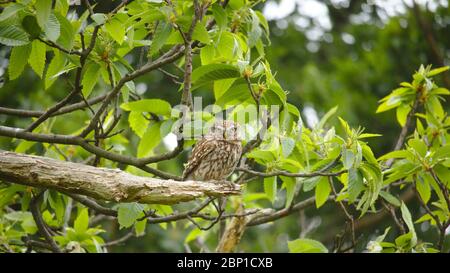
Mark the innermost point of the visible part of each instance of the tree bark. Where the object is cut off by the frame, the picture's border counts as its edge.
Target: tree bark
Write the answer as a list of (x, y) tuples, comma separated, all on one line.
[(102, 183)]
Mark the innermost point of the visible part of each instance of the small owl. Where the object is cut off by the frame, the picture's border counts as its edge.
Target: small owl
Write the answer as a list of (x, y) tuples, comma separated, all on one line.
[(216, 155)]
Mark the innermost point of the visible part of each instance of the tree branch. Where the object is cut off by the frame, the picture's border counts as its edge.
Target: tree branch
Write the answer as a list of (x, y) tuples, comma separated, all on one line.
[(102, 183)]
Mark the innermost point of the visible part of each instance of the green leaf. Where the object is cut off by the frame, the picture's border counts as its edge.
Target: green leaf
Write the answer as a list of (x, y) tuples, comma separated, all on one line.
[(67, 32), (361, 136), (436, 71), (255, 30), (326, 117), (402, 113), (348, 158), (11, 10), (213, 72), (193, 235), (52, 28), (396, 154), (270, 187), (201, 34), (116, 29), (138, 123), (162, 33), (419, 146), (43, 10), (355, 184), (90, 78), (30, 25), (289, 183), (406, 215), (433, 105), (139, 227), (155, 106), (81, 223), (54, 68), (424, 189), (207, 54), (13, 35), (323, 190), (220, 16), (18, 60), (311, 183), (234, 95), (390, 198), (128, 213), (37, 57), (99, 18), (287, 146), (150, 139), (306, 246)]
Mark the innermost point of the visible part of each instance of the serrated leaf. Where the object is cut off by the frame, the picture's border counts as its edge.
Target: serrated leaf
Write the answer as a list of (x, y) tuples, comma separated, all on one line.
[(30, 25), (54, 68), (348, 158), (220, 16), (406, 215), (207, 54), (116, 29), (287, 146), (355, 184), (423, 188), (52, 28), (67, 32), (221, 86), (43, 10), (323, 190), (289, 183), (99, 18), (11, 10), (419, 146), (37, 57), (390, 198), (396, 154), (162, 33), (13, 36), (150, 139), (235, 95), (128, 213), (201, 34), (213, 72), (18, 60), (90, 78), (270, 188), (138, 123)]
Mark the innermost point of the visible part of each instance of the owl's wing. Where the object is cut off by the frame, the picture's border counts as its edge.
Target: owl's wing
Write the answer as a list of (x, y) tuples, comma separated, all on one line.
[(201, 149)]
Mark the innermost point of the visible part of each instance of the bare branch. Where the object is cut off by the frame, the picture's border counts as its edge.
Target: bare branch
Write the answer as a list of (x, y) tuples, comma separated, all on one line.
[(42, 227)]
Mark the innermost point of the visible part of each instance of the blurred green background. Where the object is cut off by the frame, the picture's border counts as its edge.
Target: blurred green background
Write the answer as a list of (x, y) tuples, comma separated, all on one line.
[(346, 53)]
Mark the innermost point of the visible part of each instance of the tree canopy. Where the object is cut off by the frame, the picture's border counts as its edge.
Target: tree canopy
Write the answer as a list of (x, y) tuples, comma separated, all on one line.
[(343, 115)]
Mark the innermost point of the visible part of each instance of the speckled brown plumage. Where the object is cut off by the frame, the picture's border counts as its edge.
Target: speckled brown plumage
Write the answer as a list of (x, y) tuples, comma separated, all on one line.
[(216, 155)]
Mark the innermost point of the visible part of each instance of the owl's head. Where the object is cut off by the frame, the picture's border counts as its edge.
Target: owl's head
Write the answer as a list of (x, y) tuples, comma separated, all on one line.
[(225, 129)]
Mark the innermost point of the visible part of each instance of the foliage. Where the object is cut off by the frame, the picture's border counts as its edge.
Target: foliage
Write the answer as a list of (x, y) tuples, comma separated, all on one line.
[(93, 53)]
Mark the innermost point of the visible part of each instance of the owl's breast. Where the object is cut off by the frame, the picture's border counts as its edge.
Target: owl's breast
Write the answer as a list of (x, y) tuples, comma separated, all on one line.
[(219, 163)]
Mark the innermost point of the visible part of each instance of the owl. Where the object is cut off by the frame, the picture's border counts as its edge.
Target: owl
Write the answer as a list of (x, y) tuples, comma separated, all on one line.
[(216, 155)]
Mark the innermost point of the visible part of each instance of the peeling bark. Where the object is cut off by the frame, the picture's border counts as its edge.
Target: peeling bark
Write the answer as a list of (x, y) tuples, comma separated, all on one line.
[(102, 183)]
